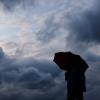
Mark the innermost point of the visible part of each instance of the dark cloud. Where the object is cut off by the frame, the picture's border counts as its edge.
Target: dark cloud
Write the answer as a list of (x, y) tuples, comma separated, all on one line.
[(84, 26), (93, 82), (1, 53), (10, 5), (29, 79), (90, 56), (84, 33)]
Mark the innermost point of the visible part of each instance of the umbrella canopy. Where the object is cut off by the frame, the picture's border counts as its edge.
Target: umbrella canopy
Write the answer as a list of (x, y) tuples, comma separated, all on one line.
[(68, 60)]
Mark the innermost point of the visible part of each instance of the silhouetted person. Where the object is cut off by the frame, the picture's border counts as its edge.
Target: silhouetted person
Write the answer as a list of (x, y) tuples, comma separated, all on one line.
[(75, 78), (74, 67), (75, 84)]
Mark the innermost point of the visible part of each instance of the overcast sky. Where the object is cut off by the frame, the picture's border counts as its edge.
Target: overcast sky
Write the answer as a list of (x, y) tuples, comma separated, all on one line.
[(31, 31)]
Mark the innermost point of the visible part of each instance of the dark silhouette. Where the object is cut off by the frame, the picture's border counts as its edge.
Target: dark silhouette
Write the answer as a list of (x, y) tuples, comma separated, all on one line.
[(74, 67)]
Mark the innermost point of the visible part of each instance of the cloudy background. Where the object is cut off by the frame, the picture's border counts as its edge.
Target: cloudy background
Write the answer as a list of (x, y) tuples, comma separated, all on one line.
[(31, 31)]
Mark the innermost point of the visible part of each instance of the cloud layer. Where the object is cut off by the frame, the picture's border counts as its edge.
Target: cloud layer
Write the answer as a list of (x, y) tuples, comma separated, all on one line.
[(29, 79), (10, 5), (84, 27), (40, 28)]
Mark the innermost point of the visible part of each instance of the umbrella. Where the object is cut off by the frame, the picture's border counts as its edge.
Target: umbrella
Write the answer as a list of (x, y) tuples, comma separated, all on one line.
[(69, 60)]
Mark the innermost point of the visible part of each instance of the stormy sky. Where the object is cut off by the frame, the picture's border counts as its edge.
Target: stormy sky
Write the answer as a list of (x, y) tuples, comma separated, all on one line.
[(31, 31)]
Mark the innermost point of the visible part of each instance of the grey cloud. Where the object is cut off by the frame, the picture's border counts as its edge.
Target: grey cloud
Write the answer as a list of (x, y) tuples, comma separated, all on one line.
[(56, 23), (29, 79), (1, 53), (84, 26), (34, 79), (19, 94), (49, 30), (93, 82), (92, 57), (10, 5)]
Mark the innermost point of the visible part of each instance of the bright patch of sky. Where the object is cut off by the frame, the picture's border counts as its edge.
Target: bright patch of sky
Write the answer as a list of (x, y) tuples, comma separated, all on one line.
[(20, 24)]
